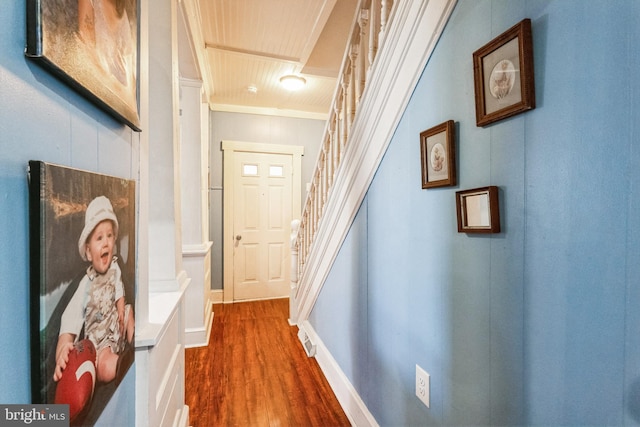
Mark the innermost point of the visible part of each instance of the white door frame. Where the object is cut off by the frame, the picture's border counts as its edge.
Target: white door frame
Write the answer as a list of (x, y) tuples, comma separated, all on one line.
[(230, 148)]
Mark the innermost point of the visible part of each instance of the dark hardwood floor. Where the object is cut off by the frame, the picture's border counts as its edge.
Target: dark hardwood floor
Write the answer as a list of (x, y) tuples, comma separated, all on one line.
[(254, 372)]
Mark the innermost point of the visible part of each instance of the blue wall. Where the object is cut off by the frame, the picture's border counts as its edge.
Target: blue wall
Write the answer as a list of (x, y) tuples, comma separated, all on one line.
[(537, 325), (42, 119)]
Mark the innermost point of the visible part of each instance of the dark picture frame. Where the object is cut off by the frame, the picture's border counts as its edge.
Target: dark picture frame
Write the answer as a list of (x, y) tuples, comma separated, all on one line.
[(438, 155), (95, 55), (478, 210), (503, 75), (65, 205)]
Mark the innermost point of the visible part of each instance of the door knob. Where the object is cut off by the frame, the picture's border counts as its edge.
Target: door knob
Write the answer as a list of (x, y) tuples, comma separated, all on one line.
[(238, 237)]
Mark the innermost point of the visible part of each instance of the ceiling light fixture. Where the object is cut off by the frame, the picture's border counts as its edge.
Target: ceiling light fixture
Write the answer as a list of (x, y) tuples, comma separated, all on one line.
[(292, 82)]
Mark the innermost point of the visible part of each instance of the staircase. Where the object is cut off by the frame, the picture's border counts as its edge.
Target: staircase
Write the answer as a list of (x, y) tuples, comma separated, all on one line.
[(391, 42)]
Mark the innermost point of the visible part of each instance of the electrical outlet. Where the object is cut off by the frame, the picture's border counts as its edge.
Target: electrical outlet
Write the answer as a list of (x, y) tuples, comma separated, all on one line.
[(422, 385)]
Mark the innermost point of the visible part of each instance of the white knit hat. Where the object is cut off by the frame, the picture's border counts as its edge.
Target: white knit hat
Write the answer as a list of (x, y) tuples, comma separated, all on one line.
[(99, 209)]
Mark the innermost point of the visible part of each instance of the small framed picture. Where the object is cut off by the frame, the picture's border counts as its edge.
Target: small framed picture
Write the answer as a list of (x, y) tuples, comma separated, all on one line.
[(438, 155), (503, 75), (478, 210)]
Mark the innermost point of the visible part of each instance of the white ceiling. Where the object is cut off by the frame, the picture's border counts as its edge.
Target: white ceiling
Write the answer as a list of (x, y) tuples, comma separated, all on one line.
[(255, 42)]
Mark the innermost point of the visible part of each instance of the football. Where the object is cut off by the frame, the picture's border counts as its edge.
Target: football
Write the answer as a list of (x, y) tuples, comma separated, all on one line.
[(76, 386)]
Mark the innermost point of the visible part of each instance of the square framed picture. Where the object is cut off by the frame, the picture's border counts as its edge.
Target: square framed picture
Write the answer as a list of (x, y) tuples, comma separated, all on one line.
[(438, 155), (92, 45), (478, 210), (503, 75), (82, 267)]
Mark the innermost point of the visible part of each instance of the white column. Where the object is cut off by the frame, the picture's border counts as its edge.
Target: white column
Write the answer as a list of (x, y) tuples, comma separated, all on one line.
[(165, 246), (191, 160), (160, 336), (196, 247)]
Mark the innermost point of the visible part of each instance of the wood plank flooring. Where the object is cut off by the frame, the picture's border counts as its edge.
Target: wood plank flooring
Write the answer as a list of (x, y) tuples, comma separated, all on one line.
[(254, 372)]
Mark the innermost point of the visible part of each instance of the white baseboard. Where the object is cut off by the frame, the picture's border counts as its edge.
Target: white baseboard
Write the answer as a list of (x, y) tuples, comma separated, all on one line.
[(293, 307), (347, 396), (217, 296), (199, 337), (182, 417)]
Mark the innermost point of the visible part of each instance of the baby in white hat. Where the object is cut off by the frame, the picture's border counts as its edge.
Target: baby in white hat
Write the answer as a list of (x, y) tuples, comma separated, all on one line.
[(98, 304)]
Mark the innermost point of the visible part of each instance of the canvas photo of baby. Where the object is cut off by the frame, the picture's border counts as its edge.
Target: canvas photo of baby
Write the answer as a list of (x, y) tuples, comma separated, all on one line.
[(85, 286)]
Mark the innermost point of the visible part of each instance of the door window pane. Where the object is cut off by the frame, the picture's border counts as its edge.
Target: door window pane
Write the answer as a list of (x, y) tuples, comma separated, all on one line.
[(276, 170), (249, 170)]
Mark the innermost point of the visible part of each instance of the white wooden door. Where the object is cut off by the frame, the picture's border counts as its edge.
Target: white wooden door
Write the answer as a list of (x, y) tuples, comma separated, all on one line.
[(262, 211)]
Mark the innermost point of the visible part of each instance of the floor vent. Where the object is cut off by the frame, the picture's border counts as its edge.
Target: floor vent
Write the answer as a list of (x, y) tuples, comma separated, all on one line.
[(309, 347)]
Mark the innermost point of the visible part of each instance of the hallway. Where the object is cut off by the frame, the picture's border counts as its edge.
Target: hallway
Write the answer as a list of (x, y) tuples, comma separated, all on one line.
[(254, 372)]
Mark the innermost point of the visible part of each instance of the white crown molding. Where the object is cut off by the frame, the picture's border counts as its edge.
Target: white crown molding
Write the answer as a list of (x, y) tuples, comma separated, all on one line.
[(265, 111), (411, 38)]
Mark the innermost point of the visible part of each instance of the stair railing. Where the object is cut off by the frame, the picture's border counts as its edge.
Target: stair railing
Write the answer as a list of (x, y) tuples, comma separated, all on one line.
[(368, 30), (391, 42)]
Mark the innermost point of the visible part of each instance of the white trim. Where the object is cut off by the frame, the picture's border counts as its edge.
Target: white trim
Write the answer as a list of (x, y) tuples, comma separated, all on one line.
[(196, 259), (163, 305), (167, 383), (194, 83), (192, 19), (182, 417), (347, 396), (293, 313), (229, 149), (199, 337), (412, 37), (169, 285), (257, 147), (199, 250), (261, 299), (217, 296), (264, 111)]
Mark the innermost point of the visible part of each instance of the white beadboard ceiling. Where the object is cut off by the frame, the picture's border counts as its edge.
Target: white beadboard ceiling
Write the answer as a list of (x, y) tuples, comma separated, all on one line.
[(255, 42)]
